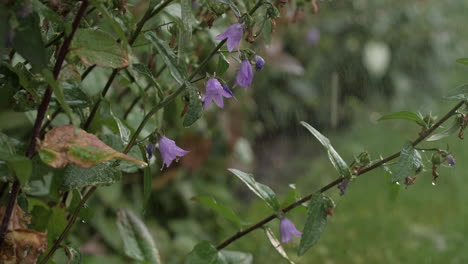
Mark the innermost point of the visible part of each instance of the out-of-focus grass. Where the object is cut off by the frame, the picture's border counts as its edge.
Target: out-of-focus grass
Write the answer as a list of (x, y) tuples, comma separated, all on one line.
[(424, 224)]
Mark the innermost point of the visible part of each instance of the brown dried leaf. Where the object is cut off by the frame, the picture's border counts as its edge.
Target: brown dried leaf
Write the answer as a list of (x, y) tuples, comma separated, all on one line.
[(64, 144)]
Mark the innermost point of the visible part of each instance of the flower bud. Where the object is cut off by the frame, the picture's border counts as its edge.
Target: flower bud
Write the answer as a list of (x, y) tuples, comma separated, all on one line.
[(259, 63), (436, 158)]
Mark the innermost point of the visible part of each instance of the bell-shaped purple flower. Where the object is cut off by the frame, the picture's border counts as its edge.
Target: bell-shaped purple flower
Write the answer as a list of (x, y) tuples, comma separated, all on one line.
[(215, 92), (233, 35), (343, 185), (170, 151), (227, 90), (244, 76), (259, 63), (288, 230), (451, 160), (150, 150)]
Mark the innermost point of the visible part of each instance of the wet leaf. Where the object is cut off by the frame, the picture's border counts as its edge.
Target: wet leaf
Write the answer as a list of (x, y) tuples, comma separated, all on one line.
[(459, 93), (138, 243), (316, 220), (203, 253), (63, 145), (223, 64), (453, 128), (334, 157), (410, 160), (98, 47), (261, 190), (77, 178), (234, 257), (405, 115)]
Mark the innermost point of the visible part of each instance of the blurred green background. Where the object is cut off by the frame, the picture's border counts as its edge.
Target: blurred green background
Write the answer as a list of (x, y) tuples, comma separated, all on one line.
[(339, 70)]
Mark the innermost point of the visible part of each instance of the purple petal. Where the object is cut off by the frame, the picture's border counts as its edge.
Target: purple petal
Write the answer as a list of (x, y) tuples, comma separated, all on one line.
[(226, 92), (218, 99), (245, 75), (287, 230)]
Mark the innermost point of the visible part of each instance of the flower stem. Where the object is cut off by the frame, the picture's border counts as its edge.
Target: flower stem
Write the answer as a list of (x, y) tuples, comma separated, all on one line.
[(264, 221)]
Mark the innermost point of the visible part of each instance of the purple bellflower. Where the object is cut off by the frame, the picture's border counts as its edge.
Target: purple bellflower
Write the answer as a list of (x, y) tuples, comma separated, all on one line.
[(259, 63), (244, 76), (150, 150), (450, 160), (287, 230), (233, 35), (215, 92), (342, 186), (169, 151)]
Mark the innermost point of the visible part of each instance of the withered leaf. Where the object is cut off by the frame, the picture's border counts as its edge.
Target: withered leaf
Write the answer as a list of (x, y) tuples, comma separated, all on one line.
[(64, 144)]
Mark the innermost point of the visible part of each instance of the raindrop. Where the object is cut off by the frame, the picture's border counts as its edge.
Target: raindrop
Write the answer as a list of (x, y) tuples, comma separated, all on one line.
[(83, 221), (433, 183)]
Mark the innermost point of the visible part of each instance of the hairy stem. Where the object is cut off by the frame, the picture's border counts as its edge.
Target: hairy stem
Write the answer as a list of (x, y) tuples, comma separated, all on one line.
[(264, 221), (41, 111)]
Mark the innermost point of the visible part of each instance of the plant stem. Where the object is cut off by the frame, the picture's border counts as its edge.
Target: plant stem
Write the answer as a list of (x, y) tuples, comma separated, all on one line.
[(72, 220), (41, 111), (147, 16), (264, 221)]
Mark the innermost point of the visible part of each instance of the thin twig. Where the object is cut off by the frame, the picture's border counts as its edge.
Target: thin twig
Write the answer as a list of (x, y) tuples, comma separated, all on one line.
[(264, 221), (41, 111)]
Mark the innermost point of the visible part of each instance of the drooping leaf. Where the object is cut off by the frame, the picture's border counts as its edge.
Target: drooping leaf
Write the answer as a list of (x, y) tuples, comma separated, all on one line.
[(393, 187), (459, 93), (167, 54), (185, 32), (316, 221), (202, 253), (76, 177), (452, 129), (124, 131), (138, 242), (219, 208), (94, 46), (223, 64), (405, 115), (28, 41), (463, 61), (334, 157), (277, 244), (21, 166), (195, 108), (231, 4), (262, 191), (234, 257), (410, 160), (64, 144), (147, 176)]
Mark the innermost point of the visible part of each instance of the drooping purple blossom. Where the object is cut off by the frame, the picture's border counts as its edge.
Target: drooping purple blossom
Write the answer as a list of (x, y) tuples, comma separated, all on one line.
[(313, 36), (215, 92), (343, 185), (150, 150), (451, 160), (170, 151), (226, 88), (244, 76), (288, 230), (259, 63), (233, 35)]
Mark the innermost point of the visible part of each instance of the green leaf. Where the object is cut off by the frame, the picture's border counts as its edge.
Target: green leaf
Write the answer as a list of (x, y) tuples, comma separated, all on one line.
[(139, 71), (138, 243), (57, 223), (51, 15), (124, 131), (21, 166), (202, 253), (223, 64), (59, 95), (73, 94), (110, 19), (463, 61), (28, 41), (219, 208), (334, 157), (393, 187), (292, 196), (262, 191), (459, 93), (195, 108), (234, 257), (76, 177), (405, 115), (185, 32), (452, 129), (410, 160), (276, 244), (168, 56), (316, 221), (98, 47), (231, 4)]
